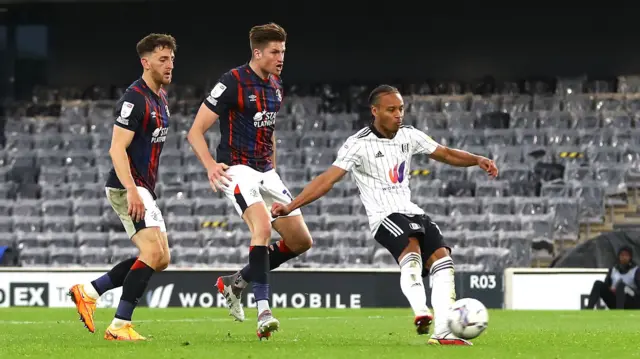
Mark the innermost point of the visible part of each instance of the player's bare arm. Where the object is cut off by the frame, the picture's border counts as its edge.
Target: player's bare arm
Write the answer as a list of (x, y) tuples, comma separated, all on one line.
[(205, 118), (317, 188), (120, 141), (460, 158)]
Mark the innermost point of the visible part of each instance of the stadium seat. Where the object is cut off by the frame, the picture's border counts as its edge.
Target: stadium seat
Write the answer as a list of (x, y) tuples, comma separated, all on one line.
[(497, 205), (444, 223), (383, 259), (471, 222), (6, 207), (556, 119), (524, 120), (93, 256), (564, 152), (336, 222), (435, 206), (56, 191), (504, 222), (586, 120), (220, 256), (425, 104), (323, 239), (564, 137), (291, 158), (492, 188), (119, 240), (565, 220), (23, 223), (546, 103), (591, 195), (355, 256), (19, 142), (100, 142), (33, 256), (189, 239), (530, 206), (84, 191), (508, 155), (482, 104), (57, 223), (430, 122), (181, 223), (92, 240)]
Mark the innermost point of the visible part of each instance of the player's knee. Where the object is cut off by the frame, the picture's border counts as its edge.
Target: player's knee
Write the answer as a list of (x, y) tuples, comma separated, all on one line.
[(261, 232), (440, 253), (152, 250), (306, 243), (153, 257), (303, 243), (164, 262)]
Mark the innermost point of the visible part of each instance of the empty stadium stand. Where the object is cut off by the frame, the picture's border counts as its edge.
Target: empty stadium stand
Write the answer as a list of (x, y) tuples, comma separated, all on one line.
[(569, 161)]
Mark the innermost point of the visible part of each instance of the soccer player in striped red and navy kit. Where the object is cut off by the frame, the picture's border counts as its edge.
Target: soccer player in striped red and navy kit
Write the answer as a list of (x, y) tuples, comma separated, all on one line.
[(141, 126), (246, 101)]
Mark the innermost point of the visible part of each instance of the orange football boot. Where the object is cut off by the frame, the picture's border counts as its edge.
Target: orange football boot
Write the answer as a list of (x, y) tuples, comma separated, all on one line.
[(85, 306), (126, 333)]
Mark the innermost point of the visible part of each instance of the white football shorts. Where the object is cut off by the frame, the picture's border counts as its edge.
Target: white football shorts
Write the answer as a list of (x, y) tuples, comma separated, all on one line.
[(249, 186), (152, 215)]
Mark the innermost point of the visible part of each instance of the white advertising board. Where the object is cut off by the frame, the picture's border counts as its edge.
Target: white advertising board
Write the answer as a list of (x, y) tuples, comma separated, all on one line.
[(48, 289), (549, 288)]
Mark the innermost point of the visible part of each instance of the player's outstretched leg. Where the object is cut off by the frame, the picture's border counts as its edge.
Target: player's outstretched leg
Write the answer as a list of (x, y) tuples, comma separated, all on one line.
[(259, 221), (232, 286), (154, 256), (85, 295), (413, 288), (443, 295), (296, 240)]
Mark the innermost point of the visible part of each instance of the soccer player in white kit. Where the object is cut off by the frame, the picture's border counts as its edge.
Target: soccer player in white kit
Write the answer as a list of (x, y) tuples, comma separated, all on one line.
[(379, 158)]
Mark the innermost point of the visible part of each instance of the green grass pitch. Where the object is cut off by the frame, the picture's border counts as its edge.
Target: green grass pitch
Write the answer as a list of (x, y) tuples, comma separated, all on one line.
[(316, 333)]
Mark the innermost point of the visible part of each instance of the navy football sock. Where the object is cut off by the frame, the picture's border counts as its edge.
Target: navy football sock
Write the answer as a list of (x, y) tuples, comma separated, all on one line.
[(132, 289), (278, 254), (113, 278)]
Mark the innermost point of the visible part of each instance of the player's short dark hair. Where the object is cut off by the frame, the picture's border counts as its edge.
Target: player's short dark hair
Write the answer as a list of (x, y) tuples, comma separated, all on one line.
[(261, 35), (152, 41), (379, 91)]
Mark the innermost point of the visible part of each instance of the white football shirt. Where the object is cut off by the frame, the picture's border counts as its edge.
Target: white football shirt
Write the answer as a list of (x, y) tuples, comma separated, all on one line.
[(381, 168)]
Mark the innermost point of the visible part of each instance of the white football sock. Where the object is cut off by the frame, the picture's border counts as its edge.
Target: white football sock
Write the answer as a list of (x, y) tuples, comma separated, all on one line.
[(90, 291), (443, 292), (262, 306), (119, 323), (411, 283)]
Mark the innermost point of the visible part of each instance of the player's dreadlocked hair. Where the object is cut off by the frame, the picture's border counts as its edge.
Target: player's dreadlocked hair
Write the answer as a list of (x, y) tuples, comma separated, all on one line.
[(261, 35), (152, 41), (379, 91)]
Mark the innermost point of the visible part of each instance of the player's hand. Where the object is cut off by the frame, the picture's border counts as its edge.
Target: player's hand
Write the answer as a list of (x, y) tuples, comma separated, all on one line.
[(135, 205), (218, 177), (489, 166), (279, 209)]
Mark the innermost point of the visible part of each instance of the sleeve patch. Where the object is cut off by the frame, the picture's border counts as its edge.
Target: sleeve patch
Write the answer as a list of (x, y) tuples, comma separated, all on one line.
[(125, 112), (218, 90)]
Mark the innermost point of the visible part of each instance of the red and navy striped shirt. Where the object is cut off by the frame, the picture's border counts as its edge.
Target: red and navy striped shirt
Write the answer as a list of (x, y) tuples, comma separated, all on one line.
[(146, 114), (247, 106)]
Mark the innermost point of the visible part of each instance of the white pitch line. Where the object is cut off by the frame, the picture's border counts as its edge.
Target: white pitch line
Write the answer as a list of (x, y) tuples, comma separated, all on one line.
[(186, 320)]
